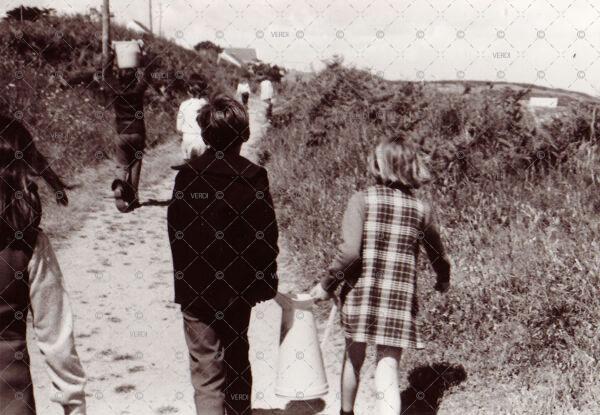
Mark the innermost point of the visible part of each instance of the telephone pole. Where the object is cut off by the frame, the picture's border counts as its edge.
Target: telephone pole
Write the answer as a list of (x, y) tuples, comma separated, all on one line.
[(160, 18), (105, 33), (150, 15)]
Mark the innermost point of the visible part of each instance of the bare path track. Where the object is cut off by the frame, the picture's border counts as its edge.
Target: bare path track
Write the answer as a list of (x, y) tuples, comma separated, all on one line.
[(129, 333)]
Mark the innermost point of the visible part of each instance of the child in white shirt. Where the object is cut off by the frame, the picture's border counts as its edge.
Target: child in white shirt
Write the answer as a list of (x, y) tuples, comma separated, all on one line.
[(243, 92), (192, 144), (266, 94)]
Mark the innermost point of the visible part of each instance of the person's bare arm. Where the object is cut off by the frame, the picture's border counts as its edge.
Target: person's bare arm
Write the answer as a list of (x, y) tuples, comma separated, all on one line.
[(346, 264)]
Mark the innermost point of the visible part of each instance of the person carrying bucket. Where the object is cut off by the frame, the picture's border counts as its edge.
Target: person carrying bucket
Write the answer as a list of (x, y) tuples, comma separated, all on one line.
[(382, 230), (266, 95), (129, 84), (223, 234), (31, 280), (125, 89), (192, 144)]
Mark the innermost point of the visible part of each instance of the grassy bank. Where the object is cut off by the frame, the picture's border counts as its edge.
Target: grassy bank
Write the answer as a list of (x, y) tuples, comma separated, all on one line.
[(74, 124), (517, 201)]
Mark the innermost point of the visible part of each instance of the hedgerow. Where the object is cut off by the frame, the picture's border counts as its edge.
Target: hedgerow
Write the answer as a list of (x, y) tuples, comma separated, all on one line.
[(516, 198)]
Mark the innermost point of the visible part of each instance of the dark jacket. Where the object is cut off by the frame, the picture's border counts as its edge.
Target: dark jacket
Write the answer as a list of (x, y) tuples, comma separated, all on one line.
[(14, 307), (223, 234), (125, 94), (129, 104), (14, 284)]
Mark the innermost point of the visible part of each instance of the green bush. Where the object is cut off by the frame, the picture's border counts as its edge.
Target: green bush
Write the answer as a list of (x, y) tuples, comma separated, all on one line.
[(516, 200), (69, 121)]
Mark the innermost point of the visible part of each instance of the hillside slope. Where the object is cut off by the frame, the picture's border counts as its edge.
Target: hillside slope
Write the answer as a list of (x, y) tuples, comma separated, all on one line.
[(74, 124), (517, 202)]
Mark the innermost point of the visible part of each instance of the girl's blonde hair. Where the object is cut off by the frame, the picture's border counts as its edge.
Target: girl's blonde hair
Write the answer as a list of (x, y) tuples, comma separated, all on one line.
[(398, 163)]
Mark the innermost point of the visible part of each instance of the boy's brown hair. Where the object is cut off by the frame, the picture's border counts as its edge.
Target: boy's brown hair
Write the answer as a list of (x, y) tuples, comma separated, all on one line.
[(224, 123)]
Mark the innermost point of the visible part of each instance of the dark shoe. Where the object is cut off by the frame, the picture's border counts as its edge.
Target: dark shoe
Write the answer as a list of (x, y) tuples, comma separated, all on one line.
[(125, 198)]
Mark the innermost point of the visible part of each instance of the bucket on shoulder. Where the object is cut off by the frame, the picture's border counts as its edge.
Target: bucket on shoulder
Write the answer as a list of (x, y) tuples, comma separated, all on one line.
[(128, 53)]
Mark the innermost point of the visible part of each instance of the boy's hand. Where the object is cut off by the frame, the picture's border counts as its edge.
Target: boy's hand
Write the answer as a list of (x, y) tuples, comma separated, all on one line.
[(442, 286), (318, 293)]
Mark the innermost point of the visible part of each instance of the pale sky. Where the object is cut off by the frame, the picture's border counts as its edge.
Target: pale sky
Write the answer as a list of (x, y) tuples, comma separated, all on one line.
[(548, 42)]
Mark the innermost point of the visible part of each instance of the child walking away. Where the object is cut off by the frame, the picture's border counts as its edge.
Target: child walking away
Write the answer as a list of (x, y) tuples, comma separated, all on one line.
[(30, 278), (129, 87), (266, 95), (192, 144), (223, 237), (382, 230), (243, 91), (125, 89)]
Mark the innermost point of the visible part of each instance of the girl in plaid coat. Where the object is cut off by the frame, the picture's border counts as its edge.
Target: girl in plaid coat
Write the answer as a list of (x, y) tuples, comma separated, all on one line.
[(383, 229)]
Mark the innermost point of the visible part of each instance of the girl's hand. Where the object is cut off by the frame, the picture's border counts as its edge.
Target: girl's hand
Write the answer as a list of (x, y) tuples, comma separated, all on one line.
[(318, 293)]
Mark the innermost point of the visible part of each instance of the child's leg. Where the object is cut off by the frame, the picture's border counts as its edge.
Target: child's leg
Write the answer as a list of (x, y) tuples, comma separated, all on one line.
[(184, 147), (208, 371), (353, 361), (136, 169), (124, 154), (386, 380)]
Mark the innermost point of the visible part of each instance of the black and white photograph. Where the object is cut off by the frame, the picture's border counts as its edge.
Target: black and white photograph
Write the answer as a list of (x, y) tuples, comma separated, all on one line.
[(299, 207)]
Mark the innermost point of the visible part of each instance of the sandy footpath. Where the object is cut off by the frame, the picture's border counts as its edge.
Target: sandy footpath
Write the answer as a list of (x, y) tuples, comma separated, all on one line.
[(129, 333)]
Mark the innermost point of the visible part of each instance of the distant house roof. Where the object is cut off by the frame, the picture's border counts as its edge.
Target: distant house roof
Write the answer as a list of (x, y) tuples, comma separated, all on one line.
[(543, 102), (238, 56)]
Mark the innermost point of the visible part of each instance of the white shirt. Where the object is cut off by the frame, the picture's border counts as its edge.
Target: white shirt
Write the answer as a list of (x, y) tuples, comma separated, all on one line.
[(186, 117), (266, 90), (243, 87), (53, 327)]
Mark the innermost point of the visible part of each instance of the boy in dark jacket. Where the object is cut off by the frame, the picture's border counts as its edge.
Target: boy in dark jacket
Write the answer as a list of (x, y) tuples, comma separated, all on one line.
[(223, 237)]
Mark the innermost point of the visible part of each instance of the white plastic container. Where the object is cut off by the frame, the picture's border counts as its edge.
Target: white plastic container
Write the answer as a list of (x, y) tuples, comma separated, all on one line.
[(128, 53), (300, 368)]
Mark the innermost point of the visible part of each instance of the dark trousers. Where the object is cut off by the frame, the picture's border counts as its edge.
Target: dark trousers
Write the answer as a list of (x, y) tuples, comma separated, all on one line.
[(129, 150), (219, 363)]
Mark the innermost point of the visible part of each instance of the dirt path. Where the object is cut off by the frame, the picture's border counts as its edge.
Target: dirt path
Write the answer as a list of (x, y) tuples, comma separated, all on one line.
[(129, 333)]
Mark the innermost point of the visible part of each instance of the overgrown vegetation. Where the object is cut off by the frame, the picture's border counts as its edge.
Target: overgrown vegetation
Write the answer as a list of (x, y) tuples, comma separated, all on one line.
[(38, 57), (516, 199), (74, 124), (23, 13)]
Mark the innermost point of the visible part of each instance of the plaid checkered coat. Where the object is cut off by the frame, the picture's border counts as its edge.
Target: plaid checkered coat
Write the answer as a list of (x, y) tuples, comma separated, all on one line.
[(381, 308)]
